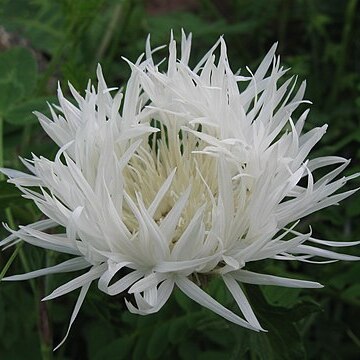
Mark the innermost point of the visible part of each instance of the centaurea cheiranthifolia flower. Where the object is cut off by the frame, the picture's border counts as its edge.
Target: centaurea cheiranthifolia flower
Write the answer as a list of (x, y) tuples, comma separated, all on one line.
[(182, 174)]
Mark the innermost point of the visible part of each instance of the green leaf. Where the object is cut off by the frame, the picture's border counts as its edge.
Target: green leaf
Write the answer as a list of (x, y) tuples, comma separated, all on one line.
[(158, 341), (185, 302), (118, 349), (99, 337), (22, 113), (161, 25), (285, 340), (17, 342), (140, 347), (353, 209), (41, 22), (18, 75), (188, 350), (281, 296), (352, 292), (219, 337), (260, 347), (213, 355), (10, 93), (178, 329), (283, 336), (302, 310), (242, 344), (2, 315), (9, 194), (345, 277)]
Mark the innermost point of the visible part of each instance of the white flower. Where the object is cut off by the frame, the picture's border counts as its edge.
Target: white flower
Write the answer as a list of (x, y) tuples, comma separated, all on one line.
[(182, 174)]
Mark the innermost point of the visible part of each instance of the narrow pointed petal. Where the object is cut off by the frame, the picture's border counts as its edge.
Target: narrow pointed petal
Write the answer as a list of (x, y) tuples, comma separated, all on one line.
[(92, 274), (202, 298), (250, 277), (164, 291), (79, 302), (75, 264), (242, 301)]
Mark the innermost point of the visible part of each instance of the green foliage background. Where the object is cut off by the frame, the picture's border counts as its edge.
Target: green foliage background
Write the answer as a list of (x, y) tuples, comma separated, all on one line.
[(64, 40)]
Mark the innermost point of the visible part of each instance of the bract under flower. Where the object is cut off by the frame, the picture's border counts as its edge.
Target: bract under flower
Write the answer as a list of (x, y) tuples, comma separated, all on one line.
[(181, 174)]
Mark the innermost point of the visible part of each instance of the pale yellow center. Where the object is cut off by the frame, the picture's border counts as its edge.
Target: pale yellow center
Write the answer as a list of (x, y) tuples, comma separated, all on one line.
[(153, 163)]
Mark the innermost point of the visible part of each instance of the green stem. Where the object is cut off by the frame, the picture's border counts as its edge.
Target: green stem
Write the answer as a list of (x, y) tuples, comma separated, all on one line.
[(69, 38), (50, 70), (41, 309), (45, 333), (25, 137), (126, 10), (44, 325), (19, 250), (104, 44), (10, 261)]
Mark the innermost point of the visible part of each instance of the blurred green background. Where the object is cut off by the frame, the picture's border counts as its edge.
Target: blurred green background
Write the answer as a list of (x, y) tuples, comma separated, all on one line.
[(43, 41)]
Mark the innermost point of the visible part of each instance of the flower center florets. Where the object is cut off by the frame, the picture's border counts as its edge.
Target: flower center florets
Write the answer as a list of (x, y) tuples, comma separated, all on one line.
[(156, 158)]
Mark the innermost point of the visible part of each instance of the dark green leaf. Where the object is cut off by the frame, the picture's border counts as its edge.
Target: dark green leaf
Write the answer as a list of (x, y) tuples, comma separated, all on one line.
[(2, 315), (140, 347), (158, 341), (352, 292), (22, 113), (99, 337), (39, 21), (302, 310), (283, 336), (9, 194), (260, 347), (118, 349), (213, 355), (188, 350), (281, 296), (178, 329), (184, 301), (18, 75)]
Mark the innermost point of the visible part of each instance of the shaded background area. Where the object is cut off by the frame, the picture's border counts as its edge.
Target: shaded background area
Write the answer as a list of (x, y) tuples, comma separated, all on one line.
[(43, 41)]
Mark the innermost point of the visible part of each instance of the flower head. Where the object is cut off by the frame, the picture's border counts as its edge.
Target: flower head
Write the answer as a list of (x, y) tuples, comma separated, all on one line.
[(181, 174)]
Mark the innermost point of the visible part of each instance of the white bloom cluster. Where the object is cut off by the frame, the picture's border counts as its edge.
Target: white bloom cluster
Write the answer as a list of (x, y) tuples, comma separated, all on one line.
[(182, 174)]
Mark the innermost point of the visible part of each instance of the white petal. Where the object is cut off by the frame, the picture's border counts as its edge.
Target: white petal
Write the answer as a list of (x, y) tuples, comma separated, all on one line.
[(45, 241), (192, 235), (163, 293), (183, 265), (124, 283), (262, 279), (147, 282), (39, 225), (241, 300), (202, 298), (80, 300), (161, 193), (74, 264), (171, 220), (306, 249), (111, 271), (94, 273), (328, 242)]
